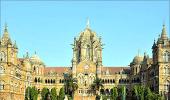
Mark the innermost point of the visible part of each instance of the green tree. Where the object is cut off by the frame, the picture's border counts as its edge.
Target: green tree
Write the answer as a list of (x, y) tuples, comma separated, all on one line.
[(61, 94), (139, 92), (97, 85), (53, 94), (44, 93), (114, 93), (158, 97), (148, 94), (33, 93), (27, 93), (71, 85), (123, 92)]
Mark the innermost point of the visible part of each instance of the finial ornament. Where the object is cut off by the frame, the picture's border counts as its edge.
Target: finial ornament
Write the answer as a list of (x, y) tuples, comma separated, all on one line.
[(88, 23), (163, 25), (6, 27), (138, 52), (27, 54), (145, 53)]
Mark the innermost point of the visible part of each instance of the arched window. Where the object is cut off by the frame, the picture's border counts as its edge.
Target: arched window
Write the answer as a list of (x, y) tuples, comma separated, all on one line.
[(2, 57), (169, 57), (38, 79), (105, 81), (113, 81), (1, 69), (166, 70), (90, 79), (136, 70), (166, 56), (88, 52), (35, 80), (82, 80), (53, 80), (167, 86), (37, 70), (1, 85)]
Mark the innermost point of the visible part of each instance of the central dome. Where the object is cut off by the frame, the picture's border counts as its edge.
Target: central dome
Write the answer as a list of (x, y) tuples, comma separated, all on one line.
[(36, 58), (138, 59)]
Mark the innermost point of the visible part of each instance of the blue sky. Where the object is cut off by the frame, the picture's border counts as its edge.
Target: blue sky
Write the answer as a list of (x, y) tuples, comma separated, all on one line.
[(49, 27)]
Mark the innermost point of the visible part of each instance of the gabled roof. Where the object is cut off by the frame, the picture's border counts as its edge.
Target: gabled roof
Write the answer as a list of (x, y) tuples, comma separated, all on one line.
[(111, 69), (114, 69), (57, 69)]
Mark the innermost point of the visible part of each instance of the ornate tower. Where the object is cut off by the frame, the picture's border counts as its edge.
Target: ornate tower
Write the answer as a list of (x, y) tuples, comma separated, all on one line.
[(87, 47), (161, 63), (9, 67), (87, 59), (8, 50)]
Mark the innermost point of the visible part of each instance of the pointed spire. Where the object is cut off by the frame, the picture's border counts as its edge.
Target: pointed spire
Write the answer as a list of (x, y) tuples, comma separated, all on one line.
[(6, 28), (35, 53), (145, 53), (6, 31), (88, 23), (27, 55), (154, 44), (6, 37), (163, 34), (15, 45)]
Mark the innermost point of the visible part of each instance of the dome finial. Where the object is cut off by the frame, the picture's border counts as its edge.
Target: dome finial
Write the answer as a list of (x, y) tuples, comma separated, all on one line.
[(138, 52), (35, 52), (88, 23), (164, 34), (27, 54), (6, 27)]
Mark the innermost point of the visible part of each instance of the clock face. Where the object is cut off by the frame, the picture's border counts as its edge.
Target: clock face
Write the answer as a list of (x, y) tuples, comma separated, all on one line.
[(86, 67)]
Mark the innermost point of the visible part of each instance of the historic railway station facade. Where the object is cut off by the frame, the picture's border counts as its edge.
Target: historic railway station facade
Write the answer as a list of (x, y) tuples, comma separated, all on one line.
[(16, 74)]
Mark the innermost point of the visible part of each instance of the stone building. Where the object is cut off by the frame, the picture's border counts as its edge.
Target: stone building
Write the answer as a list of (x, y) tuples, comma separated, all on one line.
[(18, 73)]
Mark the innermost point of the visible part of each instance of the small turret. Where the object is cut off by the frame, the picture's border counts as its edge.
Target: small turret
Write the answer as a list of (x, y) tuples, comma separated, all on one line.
[(164, 34), (154, 44), (15, 45), (163, 38), (6, 38)]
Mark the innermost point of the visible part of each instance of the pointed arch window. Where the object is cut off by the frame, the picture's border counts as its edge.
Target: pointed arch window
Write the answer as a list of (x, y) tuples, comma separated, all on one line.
[(1, 69), (2, 56), (169, 57), (88, 52), (166, 56), (1, 85), (166, 70), (167, 86), (37, 70)]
